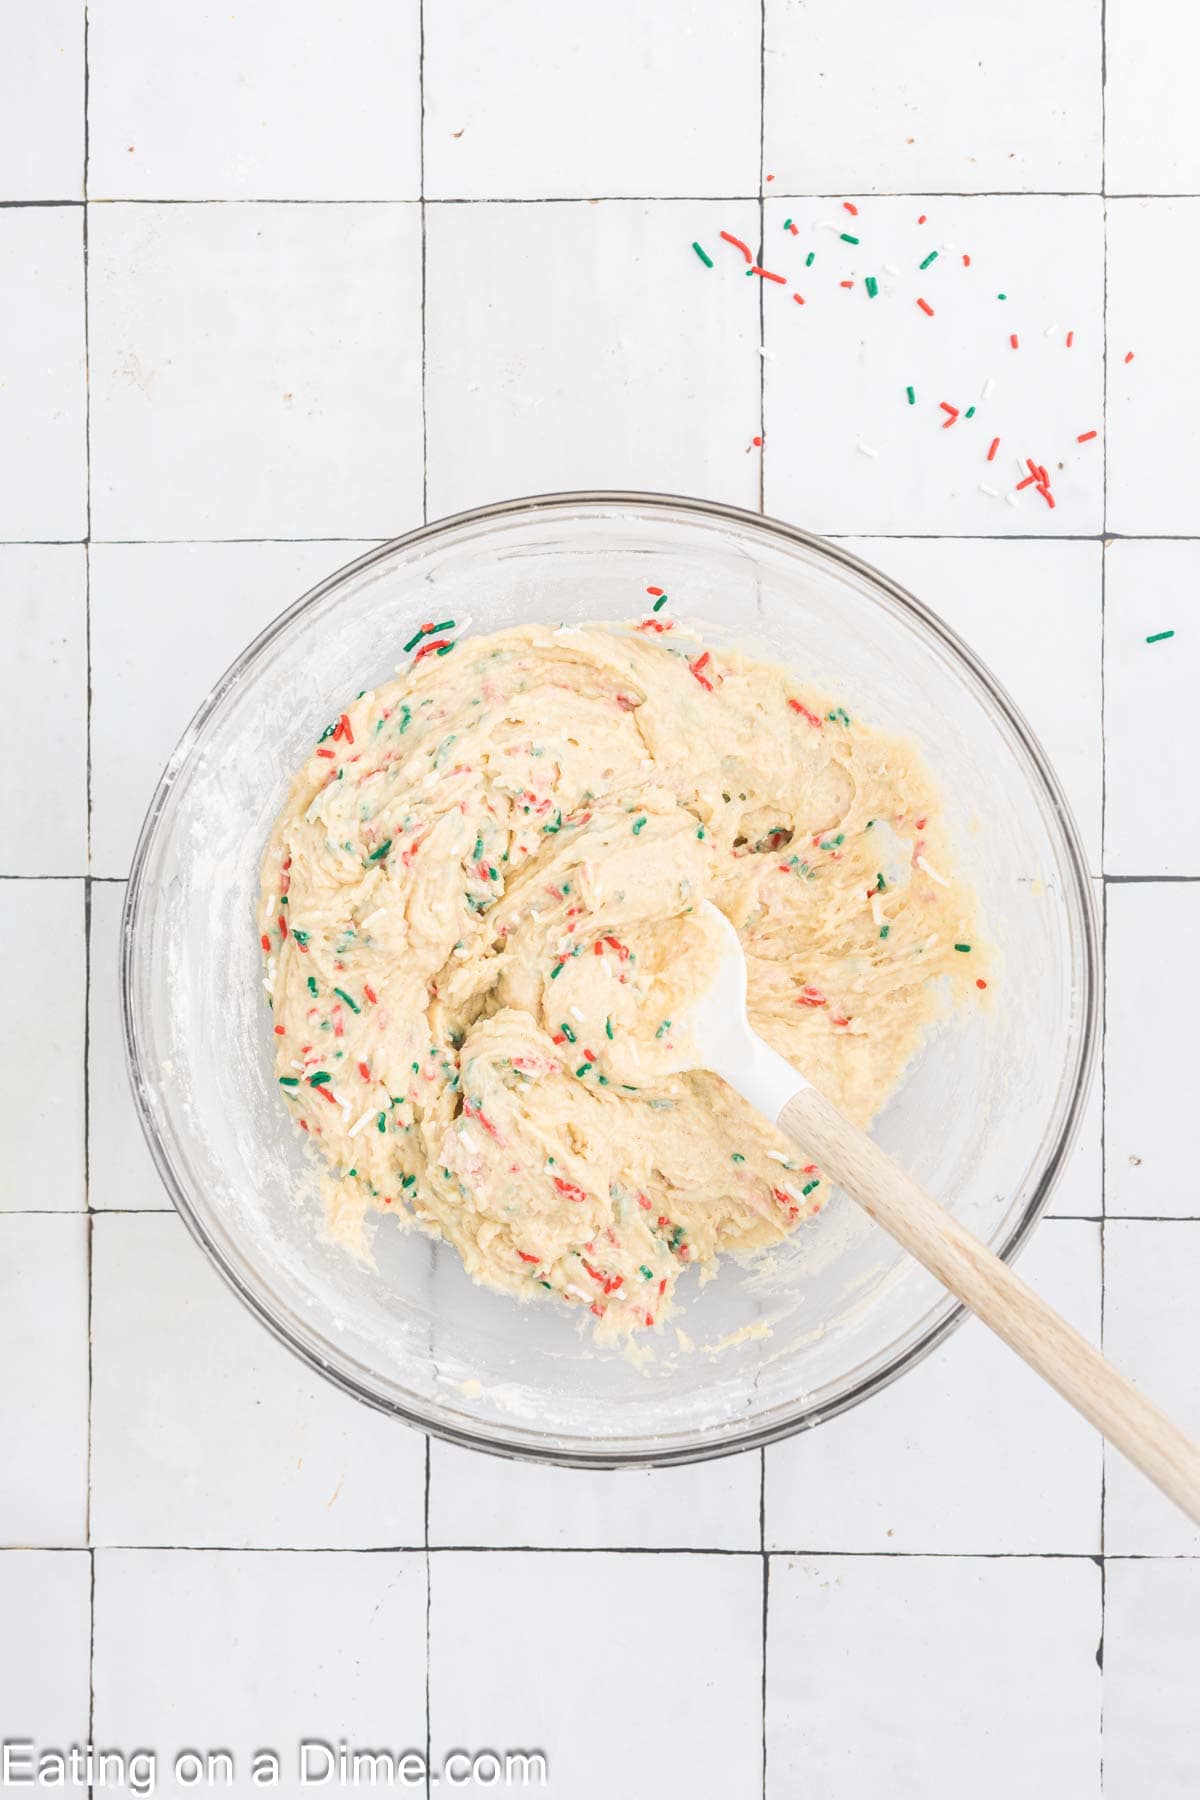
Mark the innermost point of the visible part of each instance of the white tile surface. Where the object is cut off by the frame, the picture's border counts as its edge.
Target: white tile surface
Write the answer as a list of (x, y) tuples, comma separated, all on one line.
[(969, 1452), (41, 101), (45, 1632), (1151, 1278), (639, 1662), (1151, 1652), (1152, 1128), (628, 109), (1031, 611), (41, 372), (1080, 1190), (914, 1678), (644, 374), (840, 364), (41, 1074), (257, 101), (231, 1441), (1153, 401), (43, 1381), (219, 331), (167, 620), (1150, 822), (1153, 49), (247, 1651), (121, 1172), (949, 99), (43, 693), (704, 1506)]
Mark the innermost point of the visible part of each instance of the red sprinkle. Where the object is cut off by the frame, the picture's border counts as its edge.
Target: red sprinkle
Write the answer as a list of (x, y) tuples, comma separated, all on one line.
[(981, 984), (966, 262), (952, 410), (794, 229), (1085, 437), (525, 1256), (331, 754), (850, 207), (265, 941), (655, 593), (799, 299), (568, 1189), (429, 647), (364, 1071), (925, 306), (757, 442), (811, 997), (1014, 341), (282, 922), (738, 245), (325, 1095), (798, 706), (342, 729), (1028, 482), (281, 1031), (922, 219), (995, 445), (767, 275), (1047, 496), (1070, 339), (372, 996), (1129, 356), (845, 284)]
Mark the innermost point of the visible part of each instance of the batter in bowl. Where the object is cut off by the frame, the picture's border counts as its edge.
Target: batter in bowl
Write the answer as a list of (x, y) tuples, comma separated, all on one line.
[(479, 924)]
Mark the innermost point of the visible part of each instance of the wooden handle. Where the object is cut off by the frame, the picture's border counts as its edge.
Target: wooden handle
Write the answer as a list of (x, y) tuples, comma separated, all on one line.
[(999, 1297)]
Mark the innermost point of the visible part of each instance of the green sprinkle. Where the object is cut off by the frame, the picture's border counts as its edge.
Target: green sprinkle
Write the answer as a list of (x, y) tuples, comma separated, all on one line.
[(556, 971), (638, 824), (407, 1181), (328, 732), (382, 850), (351, 1172), (414, 641), (320, 1077), (289, 1081), (381, 1122), (477, 852), (608, 1030), (660, 603), (932, 257), (567, 1032), (884, 930), (343, 995), (1158, 636), (810, 259), (880, 883), (706, 260), (301, 937), (312, 986), (663, 1028), (406, 721), (1002, 296), (970, 413), (446, 625), (737, 1157), (645, 1273), (912, 396), (582, 1070), (810, 1187), (963, 947), (444, 649), (545, 1284), (847, 239), (872, 287), (787, 224), (869, 824)]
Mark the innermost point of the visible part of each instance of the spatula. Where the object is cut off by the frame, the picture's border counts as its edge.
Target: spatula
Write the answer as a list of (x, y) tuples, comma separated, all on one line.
[(718, 1036)]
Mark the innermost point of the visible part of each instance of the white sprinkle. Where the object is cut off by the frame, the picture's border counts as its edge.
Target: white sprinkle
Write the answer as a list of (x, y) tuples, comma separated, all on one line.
[(1022, 471), (534, 913), (463, 626), (876, 909), (577, 1293), (991, 492), (791, 1193), (828, 225), (866, 450), (769, 355), (779, 1157), (635, 1053), (359, 1123), (301, 1066), (379, 913), (987, 387), (890, 269), (465, 1139), (1050, 331), (575, 1013), (932, 872), (1012, 499), (268, 984)]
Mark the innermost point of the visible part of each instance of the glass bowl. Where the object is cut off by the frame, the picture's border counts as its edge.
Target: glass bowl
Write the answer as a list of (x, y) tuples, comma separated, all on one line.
[(984, 1117)]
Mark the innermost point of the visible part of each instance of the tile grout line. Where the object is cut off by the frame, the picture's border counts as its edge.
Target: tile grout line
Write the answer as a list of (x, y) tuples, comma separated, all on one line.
[(573, 199)]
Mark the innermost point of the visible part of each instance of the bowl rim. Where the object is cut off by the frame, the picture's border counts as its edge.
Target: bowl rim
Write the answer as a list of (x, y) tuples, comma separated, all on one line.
[(522, 1444)]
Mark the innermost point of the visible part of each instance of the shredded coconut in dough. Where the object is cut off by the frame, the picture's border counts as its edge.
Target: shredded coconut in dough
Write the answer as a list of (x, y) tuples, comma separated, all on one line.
[(479, 922)]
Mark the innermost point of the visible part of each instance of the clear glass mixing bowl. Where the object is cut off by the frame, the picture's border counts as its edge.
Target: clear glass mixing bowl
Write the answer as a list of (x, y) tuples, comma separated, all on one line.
[(984, 1117)]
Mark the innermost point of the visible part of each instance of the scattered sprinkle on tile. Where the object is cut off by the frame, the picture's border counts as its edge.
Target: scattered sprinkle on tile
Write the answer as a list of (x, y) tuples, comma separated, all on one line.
[(925, 307), (991, 492), (912, 396), (847, 239), (1157, 637), (1085, 437), (1129, 356), (992, 449), (850, 207), (931, 258), (1015, 341), (866, 450), (703, 255), (872, 287)]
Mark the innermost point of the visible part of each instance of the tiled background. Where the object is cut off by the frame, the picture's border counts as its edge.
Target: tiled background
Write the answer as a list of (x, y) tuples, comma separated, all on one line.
[(279, 280)]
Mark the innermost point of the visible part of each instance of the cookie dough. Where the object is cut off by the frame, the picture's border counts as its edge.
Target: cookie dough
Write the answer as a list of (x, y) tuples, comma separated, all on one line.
[(479, 923)]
